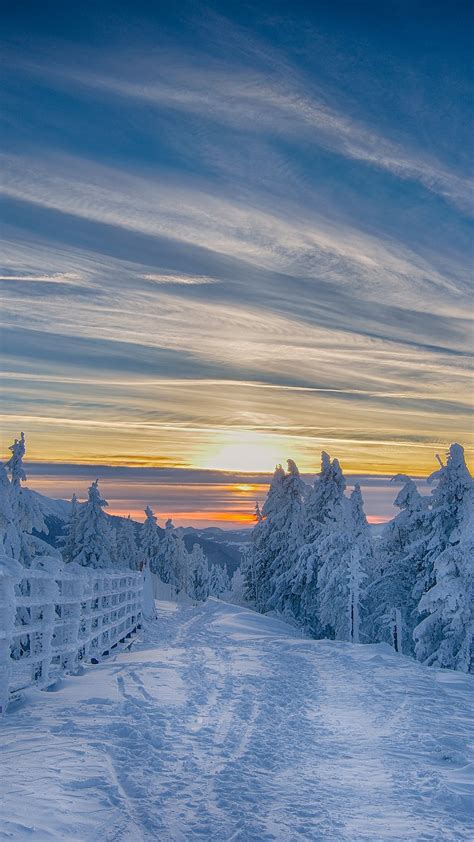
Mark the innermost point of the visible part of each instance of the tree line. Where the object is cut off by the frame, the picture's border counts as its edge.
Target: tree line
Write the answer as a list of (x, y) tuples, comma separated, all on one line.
[(313, 559), (92, 540)]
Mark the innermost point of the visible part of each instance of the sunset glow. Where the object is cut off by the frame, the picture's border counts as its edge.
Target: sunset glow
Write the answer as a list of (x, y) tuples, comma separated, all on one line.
[(242, 451)]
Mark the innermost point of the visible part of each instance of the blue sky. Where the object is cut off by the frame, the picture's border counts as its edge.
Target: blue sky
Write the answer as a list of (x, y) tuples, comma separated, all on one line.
[(235, 233)]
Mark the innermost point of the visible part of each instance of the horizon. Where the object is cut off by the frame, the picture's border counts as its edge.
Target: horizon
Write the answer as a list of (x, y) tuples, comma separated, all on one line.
[(235, 234), (201, 498)]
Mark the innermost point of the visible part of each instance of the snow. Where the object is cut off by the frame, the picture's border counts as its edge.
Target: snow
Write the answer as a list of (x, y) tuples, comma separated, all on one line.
[(223, 724), (52, 507)]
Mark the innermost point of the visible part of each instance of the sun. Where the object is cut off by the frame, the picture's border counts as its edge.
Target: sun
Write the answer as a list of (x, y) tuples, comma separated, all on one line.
[(244, 452)]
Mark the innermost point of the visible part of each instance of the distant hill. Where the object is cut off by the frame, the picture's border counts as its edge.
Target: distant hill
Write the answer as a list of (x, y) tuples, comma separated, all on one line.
[(220, 546)]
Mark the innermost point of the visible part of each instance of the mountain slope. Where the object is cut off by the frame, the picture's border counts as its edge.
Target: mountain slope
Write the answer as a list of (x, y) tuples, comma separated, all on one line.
[(224, 724)]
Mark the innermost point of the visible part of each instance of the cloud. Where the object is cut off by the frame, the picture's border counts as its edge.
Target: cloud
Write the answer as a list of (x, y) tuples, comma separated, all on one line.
[(268, 98), (58, 278), (186, 280), (291, 239)]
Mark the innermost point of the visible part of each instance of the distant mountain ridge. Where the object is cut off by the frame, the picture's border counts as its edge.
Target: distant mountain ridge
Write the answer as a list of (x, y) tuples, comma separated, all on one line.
[(219, 545)]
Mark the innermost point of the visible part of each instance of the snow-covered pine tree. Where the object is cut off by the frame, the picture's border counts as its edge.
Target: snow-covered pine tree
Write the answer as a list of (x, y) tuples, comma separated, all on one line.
[(198, 583), (10, 541), (360, 561), (218, 580), (94, 539), (127, 552), (150, 540), (444, 637), (180, 568), (265, 541), (400, 561), (250, 564), (285, 538), (163, 561), (25, 511), (302, 577), (237, 588), (333, 554), (69, 540), (171, 562)]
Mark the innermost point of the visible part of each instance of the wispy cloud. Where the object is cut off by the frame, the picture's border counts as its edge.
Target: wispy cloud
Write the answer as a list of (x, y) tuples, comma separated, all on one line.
[(220, 243), (57, 278), (185, 280), (271, 98), (293, 239)]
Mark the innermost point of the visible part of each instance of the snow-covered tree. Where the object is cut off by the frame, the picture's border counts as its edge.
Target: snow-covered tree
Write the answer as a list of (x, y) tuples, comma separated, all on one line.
[(69, 540), (333, 554), (21, 513), (171, 562), (400, 564), (275, 540), (444, 637), (287, 538), (361, 557), (94, 538), (218, 580), (127, 552), (252, 560), (10, 541), (150, 541), (266, 543), (345, 553), (237, 588), (324, 507), (198, 582)]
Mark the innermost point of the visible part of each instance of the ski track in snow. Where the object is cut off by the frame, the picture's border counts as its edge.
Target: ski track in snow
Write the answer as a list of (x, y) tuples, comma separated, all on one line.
[(225, 725)]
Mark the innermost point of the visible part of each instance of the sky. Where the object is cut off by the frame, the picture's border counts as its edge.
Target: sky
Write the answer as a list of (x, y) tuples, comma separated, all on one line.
[(235, 233)]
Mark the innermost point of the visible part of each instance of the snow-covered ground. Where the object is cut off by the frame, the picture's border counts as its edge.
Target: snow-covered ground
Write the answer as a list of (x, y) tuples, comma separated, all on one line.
[(226, 725)]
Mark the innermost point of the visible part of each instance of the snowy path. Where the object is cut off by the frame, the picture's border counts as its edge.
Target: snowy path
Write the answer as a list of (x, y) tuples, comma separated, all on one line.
[(224, 725)]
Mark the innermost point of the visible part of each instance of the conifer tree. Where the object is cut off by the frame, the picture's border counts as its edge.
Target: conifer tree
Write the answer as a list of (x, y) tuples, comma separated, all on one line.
[(361, 557), (21, 505), (288, 520), (69, 540), (400, 566), (10, 541), (171, 562), (237, 588), (333, 553), (95, 541), (127, 552), (444, 636), (252, 560), (324, 509), (198, 584), (150, 541), (218, 580)]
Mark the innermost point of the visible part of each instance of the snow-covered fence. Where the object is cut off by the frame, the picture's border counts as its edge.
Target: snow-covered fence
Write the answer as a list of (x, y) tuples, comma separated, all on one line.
[(53, 616)]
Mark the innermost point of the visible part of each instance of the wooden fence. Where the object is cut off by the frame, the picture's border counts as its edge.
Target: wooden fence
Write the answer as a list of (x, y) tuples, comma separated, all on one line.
[(53, 616)]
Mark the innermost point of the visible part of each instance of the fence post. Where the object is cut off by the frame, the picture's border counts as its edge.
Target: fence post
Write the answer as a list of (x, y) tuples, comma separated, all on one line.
[(77, 586), (10, 573), (53, 567)]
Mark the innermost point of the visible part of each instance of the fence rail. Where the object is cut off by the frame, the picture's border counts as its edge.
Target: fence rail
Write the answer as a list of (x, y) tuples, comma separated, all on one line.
[(53, 616)]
